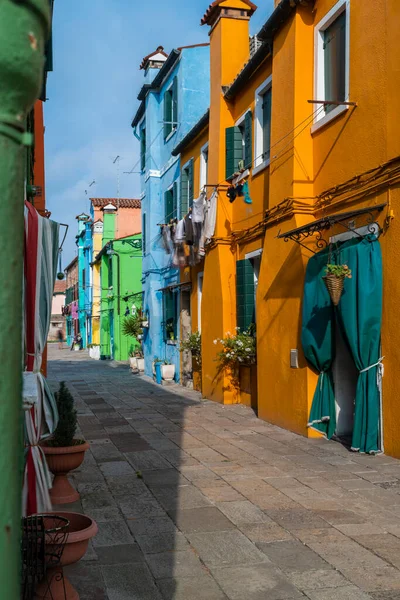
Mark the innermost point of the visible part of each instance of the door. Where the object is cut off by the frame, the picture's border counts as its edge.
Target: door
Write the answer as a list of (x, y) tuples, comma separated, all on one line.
[(112, 334), (345, 376), (186, 325)]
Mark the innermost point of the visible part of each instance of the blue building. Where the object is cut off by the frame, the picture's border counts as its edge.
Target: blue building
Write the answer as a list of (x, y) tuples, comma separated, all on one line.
[(84, 241), (174, 96)]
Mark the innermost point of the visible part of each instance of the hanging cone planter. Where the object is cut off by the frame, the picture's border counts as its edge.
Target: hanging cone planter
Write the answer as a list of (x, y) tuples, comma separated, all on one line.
[(334, 285), (334, 280)]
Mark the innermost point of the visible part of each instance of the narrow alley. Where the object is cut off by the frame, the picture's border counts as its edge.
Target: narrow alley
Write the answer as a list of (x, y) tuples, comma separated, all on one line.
[(199, 501)]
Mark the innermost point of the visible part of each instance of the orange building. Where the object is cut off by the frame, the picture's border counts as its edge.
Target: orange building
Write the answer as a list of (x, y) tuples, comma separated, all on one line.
[(308, 121)]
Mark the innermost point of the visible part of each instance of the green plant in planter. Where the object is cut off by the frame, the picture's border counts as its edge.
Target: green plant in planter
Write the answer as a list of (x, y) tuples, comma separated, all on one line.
[(192, 344), (64, 435), (338, 270), (238, 349), (132, 326)]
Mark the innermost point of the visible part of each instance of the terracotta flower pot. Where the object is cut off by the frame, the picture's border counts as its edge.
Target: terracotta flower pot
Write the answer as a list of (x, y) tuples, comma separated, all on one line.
[(60, 462), (56, 586)]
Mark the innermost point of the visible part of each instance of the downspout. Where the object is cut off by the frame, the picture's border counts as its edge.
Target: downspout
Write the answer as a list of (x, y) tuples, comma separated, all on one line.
[(24, 26)]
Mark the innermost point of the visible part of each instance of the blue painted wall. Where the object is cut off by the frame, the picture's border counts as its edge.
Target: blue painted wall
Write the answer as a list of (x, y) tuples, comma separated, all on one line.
[(84, 241), (192, 70)]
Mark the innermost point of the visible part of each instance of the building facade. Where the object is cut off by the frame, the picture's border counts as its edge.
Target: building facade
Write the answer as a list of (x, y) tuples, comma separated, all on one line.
[(58, 318), (84, 243), (119, 262), (312, 155), (71, 300), (174, 96)]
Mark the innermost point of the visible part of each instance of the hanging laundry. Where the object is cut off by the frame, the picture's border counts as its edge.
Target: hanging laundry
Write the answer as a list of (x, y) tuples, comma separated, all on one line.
[(231, 193), (180, 232), (239, 190), (211, 216), (188, 230), (246, 193), (198, 208), (166, 238), (197, 230)]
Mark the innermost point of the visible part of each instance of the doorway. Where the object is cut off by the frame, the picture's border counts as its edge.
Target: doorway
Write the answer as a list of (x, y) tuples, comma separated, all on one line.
[(186, 330), (345, 377)]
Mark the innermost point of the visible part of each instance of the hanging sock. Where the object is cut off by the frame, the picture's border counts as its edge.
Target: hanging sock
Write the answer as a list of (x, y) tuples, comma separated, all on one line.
[(231, 193), (239, 190), (246, 193)]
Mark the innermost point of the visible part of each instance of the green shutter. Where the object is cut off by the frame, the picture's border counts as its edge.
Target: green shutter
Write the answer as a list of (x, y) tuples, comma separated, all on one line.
[(167, 113), (245, 294), (144, 233), (143, 148), (169, 205), (175, 103), (190, 182), (335, 61), (184, 193), (248, 140), (170, 315), (175, 200), (234, 150), (266, 106)]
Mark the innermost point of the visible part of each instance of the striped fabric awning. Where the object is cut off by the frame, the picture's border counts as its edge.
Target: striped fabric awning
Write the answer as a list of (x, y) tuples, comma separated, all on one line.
[(41, 417)]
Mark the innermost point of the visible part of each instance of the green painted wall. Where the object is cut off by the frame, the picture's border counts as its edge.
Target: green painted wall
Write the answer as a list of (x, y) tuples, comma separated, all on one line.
[(121, 274)]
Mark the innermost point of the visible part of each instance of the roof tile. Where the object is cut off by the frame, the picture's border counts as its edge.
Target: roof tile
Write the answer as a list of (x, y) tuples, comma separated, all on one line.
[(122, 202)]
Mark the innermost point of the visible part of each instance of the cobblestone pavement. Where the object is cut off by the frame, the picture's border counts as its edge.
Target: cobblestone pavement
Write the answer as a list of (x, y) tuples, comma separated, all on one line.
[(196, 501)]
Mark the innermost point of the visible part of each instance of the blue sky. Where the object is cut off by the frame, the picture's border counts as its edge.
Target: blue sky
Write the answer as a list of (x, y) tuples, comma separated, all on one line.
[(98, 47)]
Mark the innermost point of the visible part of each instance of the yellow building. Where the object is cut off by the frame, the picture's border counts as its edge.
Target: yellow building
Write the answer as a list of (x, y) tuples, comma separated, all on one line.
[(307, 116)]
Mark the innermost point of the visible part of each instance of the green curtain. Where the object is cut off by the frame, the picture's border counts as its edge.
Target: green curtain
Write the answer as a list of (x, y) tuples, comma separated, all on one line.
[(318, 341), (360, 317)]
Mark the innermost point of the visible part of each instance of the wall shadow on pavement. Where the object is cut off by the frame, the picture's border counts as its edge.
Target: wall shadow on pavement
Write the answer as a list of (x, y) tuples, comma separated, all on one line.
[(132, 481)]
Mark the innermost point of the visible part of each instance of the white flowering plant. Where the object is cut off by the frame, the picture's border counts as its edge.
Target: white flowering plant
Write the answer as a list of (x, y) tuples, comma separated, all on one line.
[(192, 344), (238, 348)]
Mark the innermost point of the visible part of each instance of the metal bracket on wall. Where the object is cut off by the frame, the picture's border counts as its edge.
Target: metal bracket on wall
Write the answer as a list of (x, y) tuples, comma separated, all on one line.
[(346, 220)]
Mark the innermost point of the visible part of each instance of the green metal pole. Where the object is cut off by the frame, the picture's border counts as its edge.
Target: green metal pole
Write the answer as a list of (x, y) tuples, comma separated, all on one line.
[(24, 26)]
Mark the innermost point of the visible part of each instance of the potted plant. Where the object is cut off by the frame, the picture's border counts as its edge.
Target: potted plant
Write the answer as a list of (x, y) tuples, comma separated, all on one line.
[(192, 344), (167, 371), (132, 361), (132, 327), (76, 534), (63, 451), (140, 361), (334, 280), (238, 350)]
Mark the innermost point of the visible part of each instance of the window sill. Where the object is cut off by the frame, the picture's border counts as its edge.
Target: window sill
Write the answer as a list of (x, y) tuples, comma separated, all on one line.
[(171, 342), (336, 112), (170, 135), (261, 167)]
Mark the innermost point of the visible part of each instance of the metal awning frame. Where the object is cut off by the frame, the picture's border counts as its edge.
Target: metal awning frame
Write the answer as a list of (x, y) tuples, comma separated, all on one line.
[(177, 286), (316, 228)]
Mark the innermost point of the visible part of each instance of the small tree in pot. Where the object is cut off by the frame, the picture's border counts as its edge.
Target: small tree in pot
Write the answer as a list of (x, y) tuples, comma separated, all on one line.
[(63, 451)]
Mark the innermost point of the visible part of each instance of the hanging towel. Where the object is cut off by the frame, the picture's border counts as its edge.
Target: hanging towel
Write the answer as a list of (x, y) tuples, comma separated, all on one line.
[(246, 193), (211, 217), (198, 208), (189, 237), (180, 232)]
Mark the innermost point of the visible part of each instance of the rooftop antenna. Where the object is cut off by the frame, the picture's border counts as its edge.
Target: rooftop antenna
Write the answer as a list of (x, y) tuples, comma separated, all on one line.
[(86, 191)]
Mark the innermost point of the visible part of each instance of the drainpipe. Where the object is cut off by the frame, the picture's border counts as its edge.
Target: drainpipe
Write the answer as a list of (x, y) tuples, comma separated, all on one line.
[(24, 26)]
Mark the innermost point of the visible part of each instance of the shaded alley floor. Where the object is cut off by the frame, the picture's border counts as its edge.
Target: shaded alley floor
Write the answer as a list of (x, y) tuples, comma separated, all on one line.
[(197, 501)]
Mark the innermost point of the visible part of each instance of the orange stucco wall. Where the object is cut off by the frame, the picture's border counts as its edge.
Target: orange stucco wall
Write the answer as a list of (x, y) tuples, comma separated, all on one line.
[(303, 164)]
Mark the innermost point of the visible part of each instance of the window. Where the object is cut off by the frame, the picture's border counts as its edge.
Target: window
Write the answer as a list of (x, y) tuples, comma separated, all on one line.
[(171, 203), (144, 237), (262, 127), (204, 166), (245, 293), (143, 149), (171, 109), (170, 315), (239, 152), (187, 186), (84, 279), (332, 61)]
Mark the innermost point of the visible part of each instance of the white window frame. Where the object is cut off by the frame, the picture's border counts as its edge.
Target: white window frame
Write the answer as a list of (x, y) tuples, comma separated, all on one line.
[(259, 163), (174, 129), (200, 277), (203, 165), (257, 254), (319, 67)]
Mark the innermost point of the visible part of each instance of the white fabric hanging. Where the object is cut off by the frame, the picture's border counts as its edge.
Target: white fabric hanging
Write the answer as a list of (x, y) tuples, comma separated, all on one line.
[(198, 208), (210, 217)]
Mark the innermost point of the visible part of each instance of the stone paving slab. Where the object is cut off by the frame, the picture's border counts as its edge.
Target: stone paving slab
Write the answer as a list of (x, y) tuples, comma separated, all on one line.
[(198, 501)]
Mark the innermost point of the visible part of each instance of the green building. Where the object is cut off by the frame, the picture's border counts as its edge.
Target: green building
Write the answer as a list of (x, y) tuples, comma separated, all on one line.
[(121, 288)]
